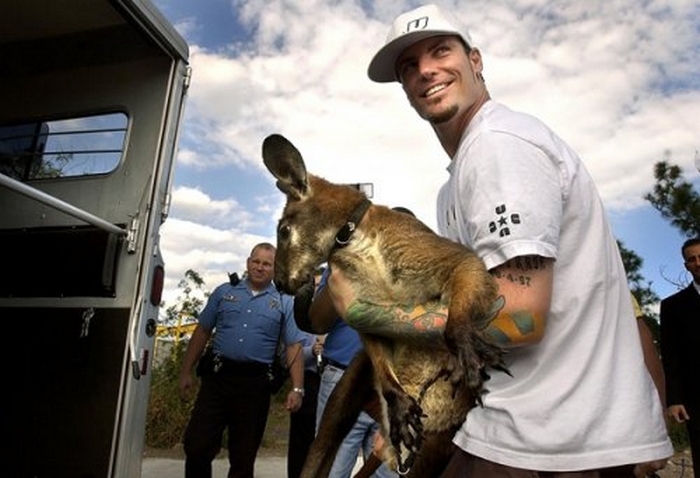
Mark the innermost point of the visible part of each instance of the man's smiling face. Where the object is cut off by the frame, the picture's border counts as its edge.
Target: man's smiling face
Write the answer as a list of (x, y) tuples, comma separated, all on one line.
[(440, 78)]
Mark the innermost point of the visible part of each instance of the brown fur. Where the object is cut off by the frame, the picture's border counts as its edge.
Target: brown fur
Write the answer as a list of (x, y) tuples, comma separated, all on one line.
[(423, 390)]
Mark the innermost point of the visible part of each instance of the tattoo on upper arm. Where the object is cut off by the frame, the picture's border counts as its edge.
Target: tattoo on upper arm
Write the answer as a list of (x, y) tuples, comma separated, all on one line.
[(517, 269), (528, 263)]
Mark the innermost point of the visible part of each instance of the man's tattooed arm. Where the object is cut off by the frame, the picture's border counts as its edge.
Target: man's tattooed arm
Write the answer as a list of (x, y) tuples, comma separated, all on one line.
[(517, 318), (425, 322), (525, 284)]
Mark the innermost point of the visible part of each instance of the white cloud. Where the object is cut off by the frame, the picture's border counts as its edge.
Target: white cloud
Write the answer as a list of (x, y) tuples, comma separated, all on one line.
[(209, 251), (615, 78)]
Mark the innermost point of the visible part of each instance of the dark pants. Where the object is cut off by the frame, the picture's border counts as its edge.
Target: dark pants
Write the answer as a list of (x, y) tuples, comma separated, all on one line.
[(302, 426), (464, 465), (235, 399)]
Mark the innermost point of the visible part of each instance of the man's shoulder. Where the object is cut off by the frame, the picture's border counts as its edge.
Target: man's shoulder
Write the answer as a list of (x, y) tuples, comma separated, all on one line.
[(680, 296), (222, 288), (500, 115)]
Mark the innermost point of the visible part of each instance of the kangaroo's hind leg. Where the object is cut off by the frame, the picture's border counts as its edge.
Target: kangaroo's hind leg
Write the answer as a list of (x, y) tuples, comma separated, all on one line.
[(352, 393)]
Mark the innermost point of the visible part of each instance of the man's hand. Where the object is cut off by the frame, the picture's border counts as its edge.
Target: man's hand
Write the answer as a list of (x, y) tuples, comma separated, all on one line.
[(317, 347), (648, 470), (678, 413), (293, 402), (378, 445), (186, 384)]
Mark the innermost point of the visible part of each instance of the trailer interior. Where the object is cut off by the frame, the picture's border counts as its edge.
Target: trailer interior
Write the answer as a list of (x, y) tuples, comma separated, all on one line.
[(91, 97)]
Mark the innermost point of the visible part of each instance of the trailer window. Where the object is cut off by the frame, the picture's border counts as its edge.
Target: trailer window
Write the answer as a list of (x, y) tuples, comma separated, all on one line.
[(79, 146)]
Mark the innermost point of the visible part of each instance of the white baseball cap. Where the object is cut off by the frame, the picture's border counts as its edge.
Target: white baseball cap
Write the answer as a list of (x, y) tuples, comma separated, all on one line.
[(408, 28)]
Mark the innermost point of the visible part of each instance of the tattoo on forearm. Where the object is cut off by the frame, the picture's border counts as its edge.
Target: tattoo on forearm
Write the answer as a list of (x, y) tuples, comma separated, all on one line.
[(425, 323)]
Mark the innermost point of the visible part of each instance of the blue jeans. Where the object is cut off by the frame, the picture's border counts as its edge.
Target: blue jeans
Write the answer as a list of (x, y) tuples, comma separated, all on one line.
[(359, 438)]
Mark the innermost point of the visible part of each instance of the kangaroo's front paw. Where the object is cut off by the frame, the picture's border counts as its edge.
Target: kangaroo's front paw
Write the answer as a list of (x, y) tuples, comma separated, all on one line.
[(465, 367)]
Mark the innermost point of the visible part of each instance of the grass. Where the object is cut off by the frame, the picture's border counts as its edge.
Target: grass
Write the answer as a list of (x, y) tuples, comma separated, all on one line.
[(274, 442)]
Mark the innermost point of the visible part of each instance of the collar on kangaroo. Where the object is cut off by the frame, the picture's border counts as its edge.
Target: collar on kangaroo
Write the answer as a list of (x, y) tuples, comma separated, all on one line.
[(342, 238)]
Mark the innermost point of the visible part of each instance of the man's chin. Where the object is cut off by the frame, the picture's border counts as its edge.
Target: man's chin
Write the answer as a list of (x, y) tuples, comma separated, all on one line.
[(439, 116)]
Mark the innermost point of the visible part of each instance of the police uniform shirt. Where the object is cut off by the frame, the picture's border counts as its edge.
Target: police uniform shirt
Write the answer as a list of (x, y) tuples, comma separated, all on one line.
[(248, 325)]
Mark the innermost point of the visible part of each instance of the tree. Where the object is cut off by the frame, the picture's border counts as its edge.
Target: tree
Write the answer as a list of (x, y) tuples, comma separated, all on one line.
[(167, 413), (186, 309), (675, 199), (640, 288)]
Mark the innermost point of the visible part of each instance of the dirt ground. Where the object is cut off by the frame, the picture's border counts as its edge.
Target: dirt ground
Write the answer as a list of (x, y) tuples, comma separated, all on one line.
[(680, 466), (276, 437)]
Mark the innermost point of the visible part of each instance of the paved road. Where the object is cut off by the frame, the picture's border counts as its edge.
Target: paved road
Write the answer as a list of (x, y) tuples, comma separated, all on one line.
[(265, 467), (276, 467)]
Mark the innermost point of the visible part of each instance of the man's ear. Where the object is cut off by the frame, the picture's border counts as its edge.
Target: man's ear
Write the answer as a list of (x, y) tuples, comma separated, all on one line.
[(475, 59)]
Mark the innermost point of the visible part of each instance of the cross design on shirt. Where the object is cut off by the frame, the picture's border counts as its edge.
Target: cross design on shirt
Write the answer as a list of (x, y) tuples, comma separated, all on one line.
[(504, 222)]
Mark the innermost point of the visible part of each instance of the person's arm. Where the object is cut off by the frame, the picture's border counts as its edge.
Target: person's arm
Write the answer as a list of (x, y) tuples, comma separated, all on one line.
[(322, 313), (670, 360), (294, 340), (314, 311), (652, 360), (519, 317), (295, 359), (195, 347)]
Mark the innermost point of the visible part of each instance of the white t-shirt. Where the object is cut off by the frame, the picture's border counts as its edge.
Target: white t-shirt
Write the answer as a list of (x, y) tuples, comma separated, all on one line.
[(581, 398)]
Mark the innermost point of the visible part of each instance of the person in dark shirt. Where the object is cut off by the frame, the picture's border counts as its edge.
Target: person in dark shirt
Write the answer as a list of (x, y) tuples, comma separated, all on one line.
[(680, 353)]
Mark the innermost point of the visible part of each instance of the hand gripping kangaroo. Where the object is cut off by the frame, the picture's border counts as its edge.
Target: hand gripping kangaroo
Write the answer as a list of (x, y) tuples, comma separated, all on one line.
[(419, 391)]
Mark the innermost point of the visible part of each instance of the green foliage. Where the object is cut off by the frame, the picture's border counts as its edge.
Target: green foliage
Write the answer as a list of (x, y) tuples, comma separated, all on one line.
[(640, 288), (675, 198), (168, 413), (679, 435), (188, 304)]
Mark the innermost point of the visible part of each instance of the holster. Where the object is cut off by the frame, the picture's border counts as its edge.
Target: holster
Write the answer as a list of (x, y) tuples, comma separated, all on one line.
[(207, 363)]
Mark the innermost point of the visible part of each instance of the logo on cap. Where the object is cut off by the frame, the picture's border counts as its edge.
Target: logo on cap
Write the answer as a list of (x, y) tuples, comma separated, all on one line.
[(417, 24)]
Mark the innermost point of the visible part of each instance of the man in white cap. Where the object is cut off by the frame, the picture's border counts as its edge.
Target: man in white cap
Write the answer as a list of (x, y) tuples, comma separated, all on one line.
[(580, 402)]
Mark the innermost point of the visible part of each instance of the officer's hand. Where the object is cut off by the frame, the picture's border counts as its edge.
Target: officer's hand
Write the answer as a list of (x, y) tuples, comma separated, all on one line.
[(293, 402), (186, 384)]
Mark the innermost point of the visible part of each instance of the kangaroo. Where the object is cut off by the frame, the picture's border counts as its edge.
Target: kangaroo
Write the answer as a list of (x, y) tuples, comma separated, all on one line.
[(420, 392)]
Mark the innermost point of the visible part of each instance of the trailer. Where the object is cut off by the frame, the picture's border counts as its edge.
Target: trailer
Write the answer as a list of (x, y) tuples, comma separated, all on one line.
[(91, 100)]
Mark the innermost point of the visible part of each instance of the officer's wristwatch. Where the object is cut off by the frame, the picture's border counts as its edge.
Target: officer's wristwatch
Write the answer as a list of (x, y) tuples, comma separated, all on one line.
[(298, 390)]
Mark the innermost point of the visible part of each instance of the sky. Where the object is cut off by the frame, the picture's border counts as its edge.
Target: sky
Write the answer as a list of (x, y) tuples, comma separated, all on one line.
[(616, 79)]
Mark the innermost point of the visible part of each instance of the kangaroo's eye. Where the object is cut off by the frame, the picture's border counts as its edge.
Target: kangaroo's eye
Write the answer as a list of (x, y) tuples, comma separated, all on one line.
[(284, 231)]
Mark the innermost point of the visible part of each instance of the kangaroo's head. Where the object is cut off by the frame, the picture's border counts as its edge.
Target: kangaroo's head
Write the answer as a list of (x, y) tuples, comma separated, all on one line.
[(315, 212)]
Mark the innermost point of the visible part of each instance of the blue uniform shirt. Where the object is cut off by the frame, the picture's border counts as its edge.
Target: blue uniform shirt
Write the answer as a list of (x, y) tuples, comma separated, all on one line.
[(248, 326), (342, 342)]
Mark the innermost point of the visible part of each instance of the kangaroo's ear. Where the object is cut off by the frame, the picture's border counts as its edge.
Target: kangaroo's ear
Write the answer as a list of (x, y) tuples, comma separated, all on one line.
[(285, 163)]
